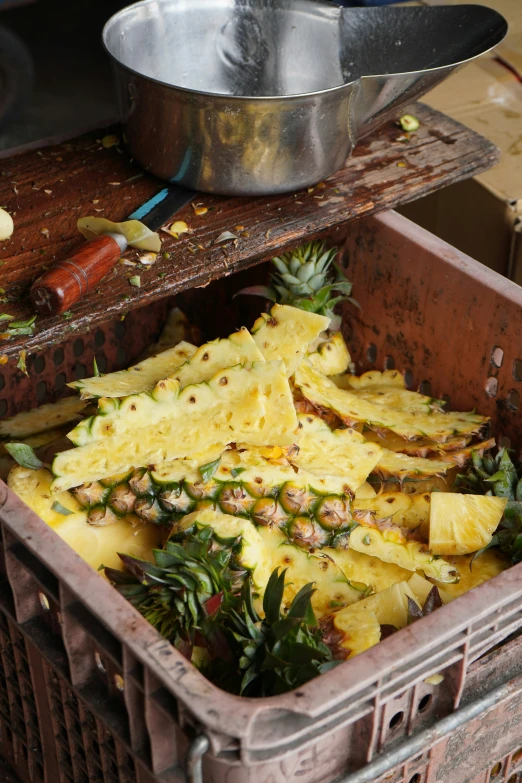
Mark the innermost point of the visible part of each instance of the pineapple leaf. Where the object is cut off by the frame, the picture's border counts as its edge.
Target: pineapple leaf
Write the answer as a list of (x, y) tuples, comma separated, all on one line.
[(301, 602), (274, 596)]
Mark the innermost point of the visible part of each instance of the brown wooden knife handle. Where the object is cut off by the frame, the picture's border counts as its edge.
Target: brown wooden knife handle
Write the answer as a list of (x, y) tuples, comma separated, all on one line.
[(68, 281)]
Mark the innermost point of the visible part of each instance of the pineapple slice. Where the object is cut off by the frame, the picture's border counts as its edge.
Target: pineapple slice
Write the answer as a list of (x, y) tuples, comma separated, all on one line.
[(332, 587), (393, 463), (95, 545), (286, 332), (370, 379), (372, 571), (389, 606), (411, 555), (339, 453), (462, 524), (141, 377), (485, 567), (46, 417), (253, 406), (399, 399), (323, 393), (360, 628), (331, 356), (421, 589), (254, 555)]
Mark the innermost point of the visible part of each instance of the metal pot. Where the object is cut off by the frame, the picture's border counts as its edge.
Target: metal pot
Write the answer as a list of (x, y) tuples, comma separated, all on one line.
[(257, 97)]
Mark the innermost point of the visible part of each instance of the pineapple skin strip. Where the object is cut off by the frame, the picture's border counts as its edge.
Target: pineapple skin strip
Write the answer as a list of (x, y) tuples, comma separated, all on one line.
[(411, 555), (370, 380), (45, 417), (210, 358), (138, 378), (400, 399), (393, 463), (254, 406), (286, 332), (342, 453), (323, 393), (330, 357)]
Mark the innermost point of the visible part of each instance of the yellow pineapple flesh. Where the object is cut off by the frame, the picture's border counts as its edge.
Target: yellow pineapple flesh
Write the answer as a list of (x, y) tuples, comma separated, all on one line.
[(360, 628), (484, 567), (332, 586), (253, 406), (370, 379), (394, 463), (141, 377), (390, 606), (45, 417), (330, 356), (96, 545), (341, 453), (462, 524), (366, 569), (411, 555), (286, 332)]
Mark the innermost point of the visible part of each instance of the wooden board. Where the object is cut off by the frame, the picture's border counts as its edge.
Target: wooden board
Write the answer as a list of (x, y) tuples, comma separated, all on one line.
[(47, 190)]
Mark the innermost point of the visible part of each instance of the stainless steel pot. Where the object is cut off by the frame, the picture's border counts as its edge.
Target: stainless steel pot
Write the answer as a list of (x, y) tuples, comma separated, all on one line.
[(257, 97)]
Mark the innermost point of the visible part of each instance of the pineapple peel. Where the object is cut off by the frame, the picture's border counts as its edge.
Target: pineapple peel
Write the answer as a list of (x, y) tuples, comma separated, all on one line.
[(136, 233), (253, 406), (286, 332), (324, 394), (410, 555)]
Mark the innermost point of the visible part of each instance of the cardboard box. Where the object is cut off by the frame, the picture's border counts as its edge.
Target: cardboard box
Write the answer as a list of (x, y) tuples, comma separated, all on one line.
[(483, 217)]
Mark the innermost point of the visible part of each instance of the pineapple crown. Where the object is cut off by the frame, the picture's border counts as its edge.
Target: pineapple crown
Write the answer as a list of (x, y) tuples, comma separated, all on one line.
[(304, 279), (187, 584), (283, 650), (194, 597), (500, 477)]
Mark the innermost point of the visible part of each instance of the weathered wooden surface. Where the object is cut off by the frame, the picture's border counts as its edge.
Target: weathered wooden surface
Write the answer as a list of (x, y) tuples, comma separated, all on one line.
[(48, 190)]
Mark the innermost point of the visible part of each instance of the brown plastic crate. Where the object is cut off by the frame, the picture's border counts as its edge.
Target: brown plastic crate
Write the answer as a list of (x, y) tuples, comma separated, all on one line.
[(93, 694)]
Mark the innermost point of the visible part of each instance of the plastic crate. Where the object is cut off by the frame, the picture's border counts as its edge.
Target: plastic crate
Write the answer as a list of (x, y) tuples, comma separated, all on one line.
[(92, 694)]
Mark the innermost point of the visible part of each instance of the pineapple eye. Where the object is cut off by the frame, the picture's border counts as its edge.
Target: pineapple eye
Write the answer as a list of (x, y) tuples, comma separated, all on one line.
[(272, 322), (204, 358), (192, 399), (133, 407), (223, 381)]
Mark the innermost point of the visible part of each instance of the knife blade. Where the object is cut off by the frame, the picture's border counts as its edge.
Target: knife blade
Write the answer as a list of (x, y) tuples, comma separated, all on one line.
[(67, 281)]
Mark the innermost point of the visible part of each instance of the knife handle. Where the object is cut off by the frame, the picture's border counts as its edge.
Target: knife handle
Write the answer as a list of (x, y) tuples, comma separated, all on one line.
[(68, 281)]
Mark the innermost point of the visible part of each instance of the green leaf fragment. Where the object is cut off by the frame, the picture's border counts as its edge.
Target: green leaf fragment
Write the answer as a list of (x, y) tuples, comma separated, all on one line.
[(61, 509), (207, 471), (24, 455)]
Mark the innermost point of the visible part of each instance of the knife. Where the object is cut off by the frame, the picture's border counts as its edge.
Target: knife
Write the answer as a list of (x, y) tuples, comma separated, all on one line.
[(69, 280)]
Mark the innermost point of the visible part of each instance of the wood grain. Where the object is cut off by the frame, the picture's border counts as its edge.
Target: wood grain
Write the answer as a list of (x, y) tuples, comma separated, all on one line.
[(48, 190)]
